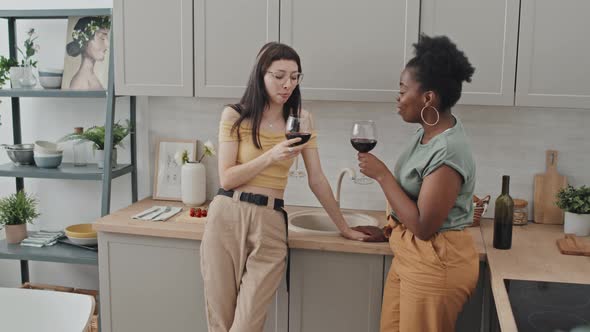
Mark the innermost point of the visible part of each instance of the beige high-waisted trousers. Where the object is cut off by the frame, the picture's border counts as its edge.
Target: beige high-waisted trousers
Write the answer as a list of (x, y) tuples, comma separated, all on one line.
[(429, 281), (243, 258)]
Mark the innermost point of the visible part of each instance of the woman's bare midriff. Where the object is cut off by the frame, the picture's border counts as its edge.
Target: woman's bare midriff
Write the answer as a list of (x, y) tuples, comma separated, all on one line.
[(275, 193)]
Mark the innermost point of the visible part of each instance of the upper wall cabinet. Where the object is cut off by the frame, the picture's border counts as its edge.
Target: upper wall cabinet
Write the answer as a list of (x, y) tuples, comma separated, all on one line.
[(487, 32), (554, 54), (351, 50), (228, 35), (153, 43)]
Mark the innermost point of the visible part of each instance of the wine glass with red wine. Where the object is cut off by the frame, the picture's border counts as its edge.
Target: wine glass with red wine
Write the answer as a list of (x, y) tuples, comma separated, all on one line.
[(363, 139), (298, 126)]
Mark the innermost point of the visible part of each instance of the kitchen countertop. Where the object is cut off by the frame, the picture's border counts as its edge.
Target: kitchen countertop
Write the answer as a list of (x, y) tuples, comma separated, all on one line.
[(121, 222), (534, 256)]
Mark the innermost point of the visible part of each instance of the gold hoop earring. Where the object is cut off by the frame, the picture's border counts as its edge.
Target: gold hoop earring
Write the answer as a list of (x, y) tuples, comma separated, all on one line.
[(424, 120)]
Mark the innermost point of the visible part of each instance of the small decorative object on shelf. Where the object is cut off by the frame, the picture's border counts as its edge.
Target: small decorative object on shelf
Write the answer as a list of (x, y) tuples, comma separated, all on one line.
[(503, 214), (576, 204), (16, 210), (28, 79), (79, 149)]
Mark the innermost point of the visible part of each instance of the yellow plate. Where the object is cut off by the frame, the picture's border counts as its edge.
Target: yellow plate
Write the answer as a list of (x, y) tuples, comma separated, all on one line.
[(81, 231)]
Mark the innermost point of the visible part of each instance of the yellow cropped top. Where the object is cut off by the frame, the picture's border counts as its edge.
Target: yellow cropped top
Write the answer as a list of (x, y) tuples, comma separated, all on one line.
[(274, 176)]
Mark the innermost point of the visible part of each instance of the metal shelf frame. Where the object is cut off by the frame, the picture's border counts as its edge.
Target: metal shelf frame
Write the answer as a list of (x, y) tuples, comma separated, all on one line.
[(66, 170)]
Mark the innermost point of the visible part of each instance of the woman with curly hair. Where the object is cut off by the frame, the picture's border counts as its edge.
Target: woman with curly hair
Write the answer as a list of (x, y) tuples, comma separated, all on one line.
[(430, 191), (90, 40)]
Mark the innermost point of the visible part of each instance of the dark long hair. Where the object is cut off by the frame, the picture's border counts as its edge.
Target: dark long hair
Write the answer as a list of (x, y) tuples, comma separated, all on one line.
[(255, 98)]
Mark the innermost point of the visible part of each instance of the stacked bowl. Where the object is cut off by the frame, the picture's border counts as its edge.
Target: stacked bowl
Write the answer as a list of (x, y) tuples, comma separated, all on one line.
[(47, 154), (50, 78), (81, 234)]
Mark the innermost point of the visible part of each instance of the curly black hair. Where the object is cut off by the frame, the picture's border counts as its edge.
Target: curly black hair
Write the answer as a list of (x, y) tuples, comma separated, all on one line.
[(440, 67)]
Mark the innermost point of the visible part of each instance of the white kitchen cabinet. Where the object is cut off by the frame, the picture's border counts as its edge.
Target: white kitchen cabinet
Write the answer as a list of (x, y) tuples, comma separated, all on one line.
[(153, 43), (228, 35), (150, 284), (487, 31), (351, 50), (554, 54), (333, 291), (155, 284)]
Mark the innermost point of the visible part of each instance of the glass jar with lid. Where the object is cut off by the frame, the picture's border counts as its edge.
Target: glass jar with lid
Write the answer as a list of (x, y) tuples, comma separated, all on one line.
[(521, 215)]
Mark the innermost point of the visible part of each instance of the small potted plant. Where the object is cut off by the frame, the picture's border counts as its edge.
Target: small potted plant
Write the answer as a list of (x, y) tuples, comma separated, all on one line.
[(5, 65), (16, 211), (96, 135), (576, 204), (193, 176)]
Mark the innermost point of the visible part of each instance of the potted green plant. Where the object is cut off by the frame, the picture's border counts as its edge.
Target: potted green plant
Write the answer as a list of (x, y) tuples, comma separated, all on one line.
[(16, 211), (5, 65), (576, 204), (96, 135)]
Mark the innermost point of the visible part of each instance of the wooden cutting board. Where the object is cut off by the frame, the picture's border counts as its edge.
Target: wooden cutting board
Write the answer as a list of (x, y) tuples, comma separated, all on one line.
[(546, 187), (574, 245)]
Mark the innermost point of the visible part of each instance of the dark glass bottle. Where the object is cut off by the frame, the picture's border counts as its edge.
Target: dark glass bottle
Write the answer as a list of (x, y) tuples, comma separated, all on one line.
[(503, 214)]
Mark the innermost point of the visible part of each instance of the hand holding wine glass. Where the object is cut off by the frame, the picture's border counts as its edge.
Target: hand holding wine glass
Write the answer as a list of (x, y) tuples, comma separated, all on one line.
[(363, 138), (298, 126)]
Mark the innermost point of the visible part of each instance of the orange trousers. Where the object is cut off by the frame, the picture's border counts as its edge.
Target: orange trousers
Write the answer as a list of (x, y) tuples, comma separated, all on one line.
[(429, 281)]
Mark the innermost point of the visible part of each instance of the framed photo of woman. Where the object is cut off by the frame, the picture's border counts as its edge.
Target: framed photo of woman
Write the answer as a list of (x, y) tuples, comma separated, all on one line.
[(86, 64), (168, 167)]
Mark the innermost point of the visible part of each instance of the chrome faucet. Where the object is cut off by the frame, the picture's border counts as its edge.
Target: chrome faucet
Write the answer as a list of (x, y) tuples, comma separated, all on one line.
[(351, 173)]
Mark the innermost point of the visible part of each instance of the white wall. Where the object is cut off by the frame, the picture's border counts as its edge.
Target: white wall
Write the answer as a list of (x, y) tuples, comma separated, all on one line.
[(505, 140)]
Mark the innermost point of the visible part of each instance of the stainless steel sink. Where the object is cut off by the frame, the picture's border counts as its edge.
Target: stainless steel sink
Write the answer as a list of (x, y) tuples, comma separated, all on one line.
[(317, 222)]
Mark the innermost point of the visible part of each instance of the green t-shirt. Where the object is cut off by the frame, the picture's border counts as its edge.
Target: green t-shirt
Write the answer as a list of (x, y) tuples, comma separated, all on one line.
[(419, 160)]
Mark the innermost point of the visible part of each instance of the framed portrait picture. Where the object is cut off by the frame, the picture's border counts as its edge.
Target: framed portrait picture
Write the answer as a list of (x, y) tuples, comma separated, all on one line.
[(86, 63), (167, 170)]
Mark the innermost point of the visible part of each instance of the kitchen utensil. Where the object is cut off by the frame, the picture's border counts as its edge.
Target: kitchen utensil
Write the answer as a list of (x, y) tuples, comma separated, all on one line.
[(47, 147), (167, 209), (574, 245), (20, 154), (47, 161), (152, 210), (80, 231), (546, 187)]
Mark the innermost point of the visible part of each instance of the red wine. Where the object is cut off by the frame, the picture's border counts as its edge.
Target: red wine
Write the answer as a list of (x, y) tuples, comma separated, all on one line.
[(304, 137), (363, 145)]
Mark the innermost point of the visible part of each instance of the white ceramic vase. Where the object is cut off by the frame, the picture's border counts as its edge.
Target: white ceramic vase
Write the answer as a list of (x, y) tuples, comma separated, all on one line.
[(578, 224), (193, 184), (99, 158)]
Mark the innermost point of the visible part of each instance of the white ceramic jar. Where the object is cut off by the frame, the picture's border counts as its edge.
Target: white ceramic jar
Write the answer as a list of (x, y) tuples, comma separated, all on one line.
[(193, 181)]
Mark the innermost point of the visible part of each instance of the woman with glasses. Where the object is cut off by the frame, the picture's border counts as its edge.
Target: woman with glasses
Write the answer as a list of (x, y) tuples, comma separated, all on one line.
[(244, 248), (430, 191)]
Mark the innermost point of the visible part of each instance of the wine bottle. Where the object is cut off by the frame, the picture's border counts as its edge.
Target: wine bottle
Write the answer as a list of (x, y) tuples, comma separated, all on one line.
[(503, 214)]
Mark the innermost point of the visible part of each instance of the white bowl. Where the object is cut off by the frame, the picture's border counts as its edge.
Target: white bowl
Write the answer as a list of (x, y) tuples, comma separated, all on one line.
[(51, 71), (46, 147), (84, 241), (50, 82)]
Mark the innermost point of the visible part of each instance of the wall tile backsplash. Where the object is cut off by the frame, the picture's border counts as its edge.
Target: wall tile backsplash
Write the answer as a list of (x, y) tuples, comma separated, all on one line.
[(505, 140)]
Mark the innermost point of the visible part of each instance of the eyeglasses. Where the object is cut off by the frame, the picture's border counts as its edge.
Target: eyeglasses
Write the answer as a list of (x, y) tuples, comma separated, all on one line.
[(281, 77)]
